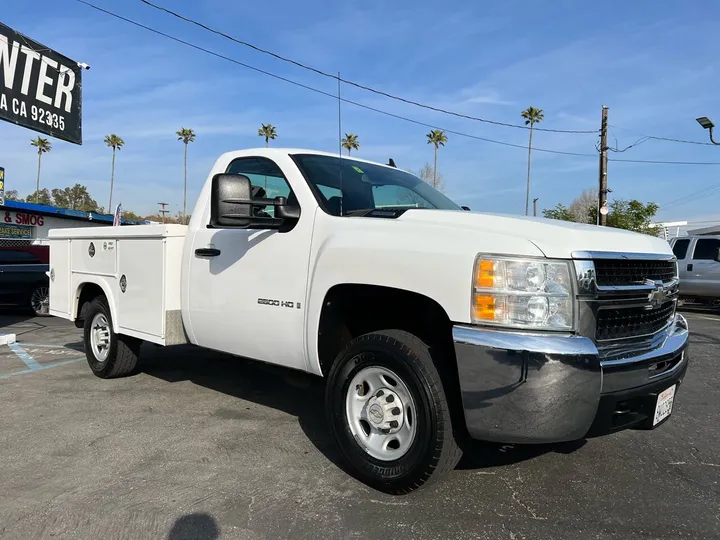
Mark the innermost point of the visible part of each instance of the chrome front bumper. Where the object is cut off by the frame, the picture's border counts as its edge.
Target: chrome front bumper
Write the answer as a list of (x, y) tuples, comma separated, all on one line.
[(540, 388)]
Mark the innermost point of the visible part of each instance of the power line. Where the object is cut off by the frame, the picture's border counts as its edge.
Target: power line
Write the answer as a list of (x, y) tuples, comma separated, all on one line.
[(367, 107), (316, 90), (708, 190), (352, 83), (668, 139), (667, 162)]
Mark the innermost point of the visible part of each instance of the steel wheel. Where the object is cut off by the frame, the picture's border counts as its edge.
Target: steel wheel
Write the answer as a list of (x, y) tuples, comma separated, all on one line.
[(100, 337), (40, 301), (381, 413)]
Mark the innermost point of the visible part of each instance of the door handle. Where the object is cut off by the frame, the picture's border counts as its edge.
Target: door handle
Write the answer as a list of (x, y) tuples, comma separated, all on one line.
[(689, 267), (207, 252)]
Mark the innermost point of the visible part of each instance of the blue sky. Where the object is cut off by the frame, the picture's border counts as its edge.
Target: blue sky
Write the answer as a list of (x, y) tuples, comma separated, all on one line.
[(653, 63)]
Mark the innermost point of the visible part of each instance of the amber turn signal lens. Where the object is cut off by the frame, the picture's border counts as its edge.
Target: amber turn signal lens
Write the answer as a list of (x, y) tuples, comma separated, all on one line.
[(485, 308), (485, 275)]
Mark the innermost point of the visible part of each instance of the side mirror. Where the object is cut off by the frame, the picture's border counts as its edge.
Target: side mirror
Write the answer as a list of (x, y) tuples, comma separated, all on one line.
[(466, 208), (230, 201)]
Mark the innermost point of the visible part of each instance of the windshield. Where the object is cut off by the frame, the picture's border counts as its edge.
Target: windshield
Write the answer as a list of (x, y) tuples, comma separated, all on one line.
[(349, 187)]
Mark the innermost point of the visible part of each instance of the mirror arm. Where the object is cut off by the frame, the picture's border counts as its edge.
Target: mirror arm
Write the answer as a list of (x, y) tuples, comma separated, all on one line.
[(253, 202)]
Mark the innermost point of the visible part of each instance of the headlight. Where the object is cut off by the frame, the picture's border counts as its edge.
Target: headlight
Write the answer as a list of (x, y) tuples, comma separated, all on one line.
[(523, 293)]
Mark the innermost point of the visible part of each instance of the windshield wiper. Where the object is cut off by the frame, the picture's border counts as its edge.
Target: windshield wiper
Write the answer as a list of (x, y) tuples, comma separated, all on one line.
[(385, 211)]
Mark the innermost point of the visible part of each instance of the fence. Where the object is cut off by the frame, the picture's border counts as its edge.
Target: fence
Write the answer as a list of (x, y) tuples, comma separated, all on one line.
[(21, 242)]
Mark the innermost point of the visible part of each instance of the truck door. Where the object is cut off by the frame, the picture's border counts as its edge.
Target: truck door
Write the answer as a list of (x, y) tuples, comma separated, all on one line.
[(705, 269), (247, 287), (680, 249)]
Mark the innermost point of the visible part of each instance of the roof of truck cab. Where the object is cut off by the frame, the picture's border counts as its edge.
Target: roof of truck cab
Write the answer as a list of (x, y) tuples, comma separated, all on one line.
[(270, 152)]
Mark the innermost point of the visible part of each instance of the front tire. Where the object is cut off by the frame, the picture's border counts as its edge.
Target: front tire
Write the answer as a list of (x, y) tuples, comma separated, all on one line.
[(388, 412), (109, 355)]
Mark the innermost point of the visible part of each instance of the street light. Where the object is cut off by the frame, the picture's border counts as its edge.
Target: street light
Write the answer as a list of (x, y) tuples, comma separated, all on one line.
[(706, 123)]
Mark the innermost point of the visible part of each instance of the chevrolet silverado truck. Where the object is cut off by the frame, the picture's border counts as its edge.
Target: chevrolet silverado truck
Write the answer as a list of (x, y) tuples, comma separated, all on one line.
[(429, 323)]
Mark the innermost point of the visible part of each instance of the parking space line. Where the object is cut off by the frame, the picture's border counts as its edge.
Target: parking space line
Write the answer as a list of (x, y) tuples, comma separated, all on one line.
[(24, 356), (42, 367), (46, 346)]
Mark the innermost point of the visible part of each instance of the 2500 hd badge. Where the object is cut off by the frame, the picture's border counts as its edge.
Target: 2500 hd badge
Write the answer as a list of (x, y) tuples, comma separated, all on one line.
[(278, 303)]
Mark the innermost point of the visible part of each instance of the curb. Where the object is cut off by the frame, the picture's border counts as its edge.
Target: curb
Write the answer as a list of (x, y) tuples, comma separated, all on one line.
[(7, 339)]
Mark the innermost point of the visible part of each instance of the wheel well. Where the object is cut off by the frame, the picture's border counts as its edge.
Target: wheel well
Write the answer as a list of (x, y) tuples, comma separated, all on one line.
[(86, 294), (352, 310)]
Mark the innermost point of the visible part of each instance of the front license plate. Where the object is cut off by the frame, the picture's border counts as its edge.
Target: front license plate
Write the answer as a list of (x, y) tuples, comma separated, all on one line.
[(664, 405)]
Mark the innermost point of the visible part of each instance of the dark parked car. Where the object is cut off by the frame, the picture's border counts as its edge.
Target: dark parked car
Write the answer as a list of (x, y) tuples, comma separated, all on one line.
[(23, 279)]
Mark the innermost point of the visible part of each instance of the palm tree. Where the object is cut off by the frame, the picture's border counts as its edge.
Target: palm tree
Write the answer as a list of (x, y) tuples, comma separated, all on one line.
[(186, 135), (269, 132), (116, 143), (438, 138), (43, 146), (532, 116), (350, 142)]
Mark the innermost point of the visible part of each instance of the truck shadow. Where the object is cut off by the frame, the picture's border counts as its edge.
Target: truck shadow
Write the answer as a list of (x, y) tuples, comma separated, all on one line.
[(301, 395)]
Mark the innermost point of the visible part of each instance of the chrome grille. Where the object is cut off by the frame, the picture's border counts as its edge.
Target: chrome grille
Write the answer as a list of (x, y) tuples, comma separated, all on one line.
[(631, 322), (614, 272), (625, 297)]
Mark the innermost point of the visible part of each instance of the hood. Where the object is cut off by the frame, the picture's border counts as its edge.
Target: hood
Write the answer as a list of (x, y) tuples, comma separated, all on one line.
[(556, 239)]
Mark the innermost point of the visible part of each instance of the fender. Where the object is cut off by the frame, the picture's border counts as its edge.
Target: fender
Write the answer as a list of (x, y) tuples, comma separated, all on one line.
[(390, 253), (103, 283)]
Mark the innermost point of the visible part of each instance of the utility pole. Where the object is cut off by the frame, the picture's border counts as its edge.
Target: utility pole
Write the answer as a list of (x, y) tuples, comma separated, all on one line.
[(535, 207), (163, 211), (603, 189)]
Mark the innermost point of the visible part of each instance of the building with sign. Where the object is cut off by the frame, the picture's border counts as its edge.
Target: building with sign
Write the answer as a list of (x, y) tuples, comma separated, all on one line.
[(30, 223)]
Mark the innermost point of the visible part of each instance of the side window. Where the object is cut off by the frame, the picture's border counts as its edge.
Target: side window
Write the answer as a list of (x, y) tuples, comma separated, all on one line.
[(706, 249), (11, 256), (267, 181), (680, 248)]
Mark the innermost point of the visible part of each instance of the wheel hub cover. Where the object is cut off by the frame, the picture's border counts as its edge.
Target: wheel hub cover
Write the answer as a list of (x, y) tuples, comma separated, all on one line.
[(385, 411)]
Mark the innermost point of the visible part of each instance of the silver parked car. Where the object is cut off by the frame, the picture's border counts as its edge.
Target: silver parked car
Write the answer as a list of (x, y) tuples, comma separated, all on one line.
[(699, 268)]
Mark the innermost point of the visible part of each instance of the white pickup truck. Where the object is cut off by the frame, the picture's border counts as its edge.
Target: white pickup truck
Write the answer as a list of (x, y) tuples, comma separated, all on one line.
[(429, 323)]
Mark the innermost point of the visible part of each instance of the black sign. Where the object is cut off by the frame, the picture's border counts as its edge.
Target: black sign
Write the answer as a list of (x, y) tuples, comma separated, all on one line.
[(40, 89)]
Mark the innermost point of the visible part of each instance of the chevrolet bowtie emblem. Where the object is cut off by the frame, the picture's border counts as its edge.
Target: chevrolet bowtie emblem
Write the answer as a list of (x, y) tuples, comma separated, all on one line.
[(657, 297)]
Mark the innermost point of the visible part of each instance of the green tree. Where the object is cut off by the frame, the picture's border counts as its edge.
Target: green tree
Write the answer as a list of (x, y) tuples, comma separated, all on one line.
[(559, 212), (532, 116), (269, 132), (43, 147), (128, 214), (12, 195), (631, 215), (350, 142), (75, 198), (40, 197), (116, 143), (186, 135), (160, 219), (437, 138)]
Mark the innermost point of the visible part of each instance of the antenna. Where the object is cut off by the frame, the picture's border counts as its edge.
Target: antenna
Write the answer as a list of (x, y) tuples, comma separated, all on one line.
[(340, 144)]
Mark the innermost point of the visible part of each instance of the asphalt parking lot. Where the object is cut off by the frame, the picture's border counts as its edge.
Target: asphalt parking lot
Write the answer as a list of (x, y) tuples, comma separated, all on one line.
[(203, 446)]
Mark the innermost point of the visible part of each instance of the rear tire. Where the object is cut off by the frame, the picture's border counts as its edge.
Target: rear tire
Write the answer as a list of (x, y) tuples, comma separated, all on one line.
[(109, 355), (388, 412)]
